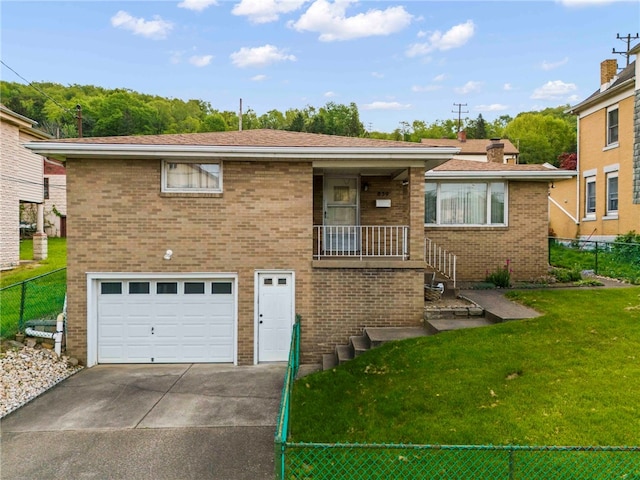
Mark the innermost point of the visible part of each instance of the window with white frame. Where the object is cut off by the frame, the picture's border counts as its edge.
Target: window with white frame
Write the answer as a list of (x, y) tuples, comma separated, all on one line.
[(191, 177), (469, 203), (612, 125), (612, 193), (590, 197)]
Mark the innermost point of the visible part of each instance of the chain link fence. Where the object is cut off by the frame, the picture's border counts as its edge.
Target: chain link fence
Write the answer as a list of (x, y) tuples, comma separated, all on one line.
[(38, 298), (620, 259), (322, 461)]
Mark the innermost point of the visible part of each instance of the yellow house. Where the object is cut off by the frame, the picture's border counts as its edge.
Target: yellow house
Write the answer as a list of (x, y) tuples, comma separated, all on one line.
[(603, 201)]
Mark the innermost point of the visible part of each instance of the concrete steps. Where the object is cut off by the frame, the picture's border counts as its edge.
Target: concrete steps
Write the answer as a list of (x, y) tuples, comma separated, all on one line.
[(436, 320)]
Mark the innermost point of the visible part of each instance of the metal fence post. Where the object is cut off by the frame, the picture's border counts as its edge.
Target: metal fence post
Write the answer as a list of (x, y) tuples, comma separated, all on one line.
[(596, 269), (511, 465), (22, 297)]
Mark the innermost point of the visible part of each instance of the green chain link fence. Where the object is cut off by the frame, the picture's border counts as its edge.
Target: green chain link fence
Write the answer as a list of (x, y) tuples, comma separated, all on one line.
[(38, 298), (610, 259), (321, 461)]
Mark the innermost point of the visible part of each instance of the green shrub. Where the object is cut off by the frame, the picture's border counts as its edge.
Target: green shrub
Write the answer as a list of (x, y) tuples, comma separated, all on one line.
[(566, 275), (627, 248), (501, 277)]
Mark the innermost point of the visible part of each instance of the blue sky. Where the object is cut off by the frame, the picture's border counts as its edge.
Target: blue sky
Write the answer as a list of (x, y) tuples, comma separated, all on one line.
[(398, 61)]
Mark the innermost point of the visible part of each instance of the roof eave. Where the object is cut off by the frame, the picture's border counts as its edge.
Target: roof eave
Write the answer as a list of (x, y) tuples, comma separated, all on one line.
[(501, 175), (96, 151), (600, 97)]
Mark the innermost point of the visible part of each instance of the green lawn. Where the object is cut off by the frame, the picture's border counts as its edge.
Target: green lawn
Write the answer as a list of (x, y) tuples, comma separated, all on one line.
[(569, 377), (43, 296)]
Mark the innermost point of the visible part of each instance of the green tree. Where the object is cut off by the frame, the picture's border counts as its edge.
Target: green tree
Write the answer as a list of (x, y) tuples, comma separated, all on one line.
[(541, 137)]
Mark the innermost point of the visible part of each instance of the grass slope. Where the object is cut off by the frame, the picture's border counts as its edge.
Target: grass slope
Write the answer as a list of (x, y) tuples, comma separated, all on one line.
[(44, 297), (570, 377)]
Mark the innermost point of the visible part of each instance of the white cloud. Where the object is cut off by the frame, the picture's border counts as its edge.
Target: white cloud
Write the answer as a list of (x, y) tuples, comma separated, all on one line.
[(156, 29), (377, 74), (259, 56), (468, 87), (426, 88), (507, 87), (439, 78), (331, 22), (551, 65), (553, 90), (329, 94), (200, 60), (455, 37), (259, 78), (494, 107), (386, 106), (265, 11), (197, 5), (422, 34)]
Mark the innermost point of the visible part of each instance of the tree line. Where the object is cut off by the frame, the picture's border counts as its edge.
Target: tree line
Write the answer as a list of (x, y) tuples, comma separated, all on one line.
[(541, 136)]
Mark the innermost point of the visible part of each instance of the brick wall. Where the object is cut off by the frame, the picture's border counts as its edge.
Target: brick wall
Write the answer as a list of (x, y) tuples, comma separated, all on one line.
[(523, 242), (346, 300), (119, 222)]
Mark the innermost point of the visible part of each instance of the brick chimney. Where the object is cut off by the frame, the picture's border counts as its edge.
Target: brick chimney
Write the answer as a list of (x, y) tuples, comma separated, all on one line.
[(495, 151), (462, 136), (608, 70)]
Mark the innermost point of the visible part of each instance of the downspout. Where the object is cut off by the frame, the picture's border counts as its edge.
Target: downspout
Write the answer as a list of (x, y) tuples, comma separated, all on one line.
[(578, 181), (55, 336)]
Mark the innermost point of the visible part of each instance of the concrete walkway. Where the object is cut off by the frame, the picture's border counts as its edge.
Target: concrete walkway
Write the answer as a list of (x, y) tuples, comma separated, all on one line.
[(148, 422), (498, 308)]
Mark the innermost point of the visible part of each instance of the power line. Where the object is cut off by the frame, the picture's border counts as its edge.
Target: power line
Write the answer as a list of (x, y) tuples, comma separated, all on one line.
[(460, 112), (37, 89), (29, 182)]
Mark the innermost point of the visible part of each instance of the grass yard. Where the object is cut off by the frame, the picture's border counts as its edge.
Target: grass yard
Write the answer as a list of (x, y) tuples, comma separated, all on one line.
[(44, 296), (569, 377)]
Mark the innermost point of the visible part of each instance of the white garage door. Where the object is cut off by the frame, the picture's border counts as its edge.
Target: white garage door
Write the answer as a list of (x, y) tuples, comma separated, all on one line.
[(166, 321)]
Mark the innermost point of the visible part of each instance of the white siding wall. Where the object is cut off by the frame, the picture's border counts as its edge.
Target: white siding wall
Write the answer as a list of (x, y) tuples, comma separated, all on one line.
[(58, 199), (9, 203), (21, 180)]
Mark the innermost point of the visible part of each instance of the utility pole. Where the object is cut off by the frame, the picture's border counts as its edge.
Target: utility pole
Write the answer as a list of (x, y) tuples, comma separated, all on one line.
[(79, 119), (627, 39), (460, 112)]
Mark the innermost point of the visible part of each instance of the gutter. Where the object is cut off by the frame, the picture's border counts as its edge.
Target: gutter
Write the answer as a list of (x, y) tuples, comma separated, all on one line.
[(501, 174), (95, 150)]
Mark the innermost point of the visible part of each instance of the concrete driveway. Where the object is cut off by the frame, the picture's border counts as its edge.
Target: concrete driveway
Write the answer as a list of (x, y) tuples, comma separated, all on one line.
[(148, 422)]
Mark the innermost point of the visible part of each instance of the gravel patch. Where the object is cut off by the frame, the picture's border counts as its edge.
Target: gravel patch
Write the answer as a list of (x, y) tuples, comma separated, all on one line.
[(27, 372)]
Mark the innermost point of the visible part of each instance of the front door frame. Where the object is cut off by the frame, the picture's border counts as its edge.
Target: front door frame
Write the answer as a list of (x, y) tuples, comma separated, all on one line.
[(256, 306), (325, 206)]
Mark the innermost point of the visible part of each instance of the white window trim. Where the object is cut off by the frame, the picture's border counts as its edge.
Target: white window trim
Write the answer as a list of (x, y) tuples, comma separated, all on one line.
[(611, 173), (609, 144), (473, 225), (165, 189), (589, 179)]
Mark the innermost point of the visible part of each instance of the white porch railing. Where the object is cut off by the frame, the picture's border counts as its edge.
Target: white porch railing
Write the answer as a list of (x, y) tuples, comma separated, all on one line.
[(361, 241), (439, 259)]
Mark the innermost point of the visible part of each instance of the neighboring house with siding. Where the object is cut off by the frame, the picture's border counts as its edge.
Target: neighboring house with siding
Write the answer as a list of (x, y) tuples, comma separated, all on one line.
[(55, 198), (474, 148), (604, 201), (203, 247), (21, 183)]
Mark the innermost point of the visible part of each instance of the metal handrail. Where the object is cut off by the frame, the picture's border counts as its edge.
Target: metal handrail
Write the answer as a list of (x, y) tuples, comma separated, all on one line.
[(361, 241), (440, 259)]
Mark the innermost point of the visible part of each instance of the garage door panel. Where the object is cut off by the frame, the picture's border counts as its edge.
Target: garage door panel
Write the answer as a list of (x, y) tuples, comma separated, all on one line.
[(186, 323)]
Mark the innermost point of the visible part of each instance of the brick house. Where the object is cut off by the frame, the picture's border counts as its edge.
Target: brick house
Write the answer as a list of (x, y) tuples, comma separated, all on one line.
[(20, 184), (204, 247), (604, 200)]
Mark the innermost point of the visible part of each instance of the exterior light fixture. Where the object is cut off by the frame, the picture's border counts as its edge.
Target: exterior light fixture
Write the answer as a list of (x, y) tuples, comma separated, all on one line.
[(168, 254)]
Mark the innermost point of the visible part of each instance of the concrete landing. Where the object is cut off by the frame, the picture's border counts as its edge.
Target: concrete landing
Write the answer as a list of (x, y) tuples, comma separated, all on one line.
[(497, 307), (446, 324), (378, 336)]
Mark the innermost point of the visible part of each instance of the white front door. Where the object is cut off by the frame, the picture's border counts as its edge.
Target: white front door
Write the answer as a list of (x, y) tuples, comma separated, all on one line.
[(275, 315), (341, 200)]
